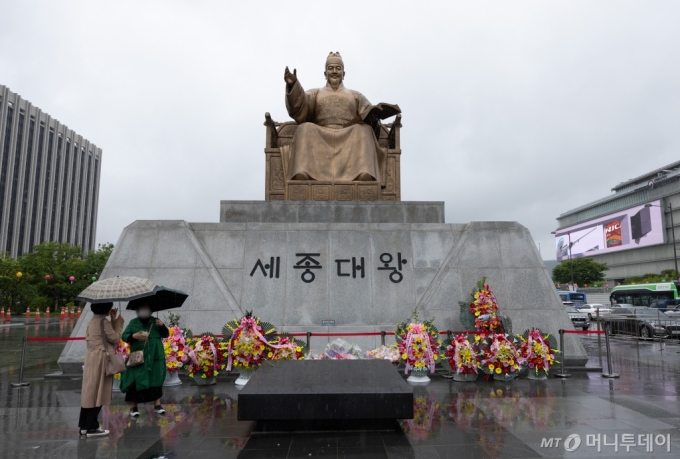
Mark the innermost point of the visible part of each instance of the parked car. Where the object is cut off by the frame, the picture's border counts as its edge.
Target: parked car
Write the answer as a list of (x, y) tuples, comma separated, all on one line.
[(640, 321), (591, 310), (673, 313), (579, 319)]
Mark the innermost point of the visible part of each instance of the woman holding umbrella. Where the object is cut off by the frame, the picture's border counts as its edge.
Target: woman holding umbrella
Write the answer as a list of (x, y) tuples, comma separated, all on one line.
[(96, 388), (144, 383)]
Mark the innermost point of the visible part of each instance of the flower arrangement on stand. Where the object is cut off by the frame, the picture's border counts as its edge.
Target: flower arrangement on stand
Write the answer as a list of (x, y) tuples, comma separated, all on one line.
[(122, 348), (501, 359), (287, 348), (419, 346), (251, 341), (176, 355), (481, 311), (463, 358), (538, 351), (207, 357)]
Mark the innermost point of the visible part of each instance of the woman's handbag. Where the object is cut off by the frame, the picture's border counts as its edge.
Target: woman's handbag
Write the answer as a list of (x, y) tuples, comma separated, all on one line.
[(136, 358), (114, 363)]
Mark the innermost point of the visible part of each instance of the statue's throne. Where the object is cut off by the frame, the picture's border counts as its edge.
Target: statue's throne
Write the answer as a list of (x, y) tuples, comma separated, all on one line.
[(277, 188)]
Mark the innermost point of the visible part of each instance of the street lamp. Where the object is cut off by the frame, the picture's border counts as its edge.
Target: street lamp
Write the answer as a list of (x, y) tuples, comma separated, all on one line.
[(571, 267), (675, 252)]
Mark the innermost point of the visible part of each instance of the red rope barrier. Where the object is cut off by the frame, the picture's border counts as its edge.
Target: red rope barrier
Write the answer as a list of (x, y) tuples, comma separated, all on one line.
[(585, 332), (317, 334), (57, 338)]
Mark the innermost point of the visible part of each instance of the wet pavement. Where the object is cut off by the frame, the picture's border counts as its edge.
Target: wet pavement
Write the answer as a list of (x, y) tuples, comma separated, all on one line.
[(452, 419)]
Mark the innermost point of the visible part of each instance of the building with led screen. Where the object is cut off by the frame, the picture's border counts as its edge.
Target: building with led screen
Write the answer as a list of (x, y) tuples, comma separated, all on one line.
[(49, 179), (630, 230)]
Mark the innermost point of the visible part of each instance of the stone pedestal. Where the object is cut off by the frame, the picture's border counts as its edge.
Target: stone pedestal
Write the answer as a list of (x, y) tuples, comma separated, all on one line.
[(325, 390), (364, 267)]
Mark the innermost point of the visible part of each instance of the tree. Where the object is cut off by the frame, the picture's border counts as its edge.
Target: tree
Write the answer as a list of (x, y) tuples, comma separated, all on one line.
[(15, 292), (59, 261), (585, 271)]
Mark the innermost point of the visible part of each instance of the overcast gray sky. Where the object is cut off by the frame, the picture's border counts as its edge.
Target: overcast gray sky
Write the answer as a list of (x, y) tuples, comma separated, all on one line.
[(511, 110)]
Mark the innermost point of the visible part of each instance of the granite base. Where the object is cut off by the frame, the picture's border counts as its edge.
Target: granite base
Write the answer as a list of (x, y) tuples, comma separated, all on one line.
[(326, 390)]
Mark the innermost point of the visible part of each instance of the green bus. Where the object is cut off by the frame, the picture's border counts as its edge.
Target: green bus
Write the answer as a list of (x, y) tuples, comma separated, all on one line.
[(643, 294)]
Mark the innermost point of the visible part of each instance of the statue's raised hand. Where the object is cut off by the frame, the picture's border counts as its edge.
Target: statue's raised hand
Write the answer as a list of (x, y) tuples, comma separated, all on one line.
[(290, 78)]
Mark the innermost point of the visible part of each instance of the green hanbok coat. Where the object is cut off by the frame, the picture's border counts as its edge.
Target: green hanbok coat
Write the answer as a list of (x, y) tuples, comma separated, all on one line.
[(152, 372)]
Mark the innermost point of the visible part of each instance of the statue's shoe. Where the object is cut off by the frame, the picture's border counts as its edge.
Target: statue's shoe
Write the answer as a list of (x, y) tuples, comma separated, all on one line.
[(364, 178)]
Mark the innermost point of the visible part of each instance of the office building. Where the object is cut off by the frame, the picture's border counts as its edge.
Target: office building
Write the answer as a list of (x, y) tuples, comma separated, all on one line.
[(631, 230), (49, 179)]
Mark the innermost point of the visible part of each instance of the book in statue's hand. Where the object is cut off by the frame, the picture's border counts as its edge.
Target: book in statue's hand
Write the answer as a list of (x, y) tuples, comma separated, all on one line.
[(380, 111)]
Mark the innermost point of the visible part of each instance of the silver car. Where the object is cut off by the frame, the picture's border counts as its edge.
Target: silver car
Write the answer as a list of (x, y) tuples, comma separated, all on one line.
[(591, 310), (579, 319)]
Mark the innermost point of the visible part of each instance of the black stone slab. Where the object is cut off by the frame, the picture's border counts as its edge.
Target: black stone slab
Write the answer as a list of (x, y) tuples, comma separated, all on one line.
[(326, 390)]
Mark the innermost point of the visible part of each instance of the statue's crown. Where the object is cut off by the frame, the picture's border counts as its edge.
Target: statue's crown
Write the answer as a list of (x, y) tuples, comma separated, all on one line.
[(334, 55)]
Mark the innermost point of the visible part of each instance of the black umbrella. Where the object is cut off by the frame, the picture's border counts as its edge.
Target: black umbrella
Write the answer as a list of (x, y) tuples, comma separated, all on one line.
[(163, 298)]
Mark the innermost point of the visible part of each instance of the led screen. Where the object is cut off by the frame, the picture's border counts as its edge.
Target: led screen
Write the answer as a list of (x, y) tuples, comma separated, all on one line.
[(629, 229)]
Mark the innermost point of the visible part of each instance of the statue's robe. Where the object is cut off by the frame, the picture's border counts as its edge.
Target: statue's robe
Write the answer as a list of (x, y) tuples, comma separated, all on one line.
[(331, 142)]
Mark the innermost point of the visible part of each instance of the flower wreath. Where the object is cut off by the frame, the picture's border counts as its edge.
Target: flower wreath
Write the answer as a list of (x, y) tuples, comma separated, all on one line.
[(538, 350), (418, 343), (462, 355), (175, 349), (481, 311), (251, 341), (501, 357), (206, 355)]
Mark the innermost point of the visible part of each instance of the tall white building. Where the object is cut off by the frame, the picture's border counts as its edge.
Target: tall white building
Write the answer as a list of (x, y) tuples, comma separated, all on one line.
[(49, 179)]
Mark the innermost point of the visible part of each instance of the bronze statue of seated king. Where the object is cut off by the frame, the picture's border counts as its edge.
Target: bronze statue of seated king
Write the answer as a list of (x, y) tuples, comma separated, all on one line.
[(337, 149)]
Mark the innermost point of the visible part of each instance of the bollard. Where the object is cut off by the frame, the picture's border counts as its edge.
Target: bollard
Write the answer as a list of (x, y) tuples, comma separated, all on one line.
[(21, 382), (562, 374), (309, 339), (610, 373), (382, 338)]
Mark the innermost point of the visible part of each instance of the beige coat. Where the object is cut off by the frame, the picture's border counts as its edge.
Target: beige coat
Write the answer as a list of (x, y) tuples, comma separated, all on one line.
[(96, 390)]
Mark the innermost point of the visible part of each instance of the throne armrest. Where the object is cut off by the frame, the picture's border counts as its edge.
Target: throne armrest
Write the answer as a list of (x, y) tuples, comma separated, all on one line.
[(272, 140), (393, 138)]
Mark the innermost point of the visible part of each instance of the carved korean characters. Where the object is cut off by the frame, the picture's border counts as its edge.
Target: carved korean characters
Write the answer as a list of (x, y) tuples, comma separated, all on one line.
[(310, 264)]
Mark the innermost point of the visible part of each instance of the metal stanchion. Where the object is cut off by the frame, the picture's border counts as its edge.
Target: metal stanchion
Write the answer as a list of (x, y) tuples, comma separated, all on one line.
[(610, 373), (21, 382), (661, 341), (599, 338), (382, 338), (309, 339), (562, 373)]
